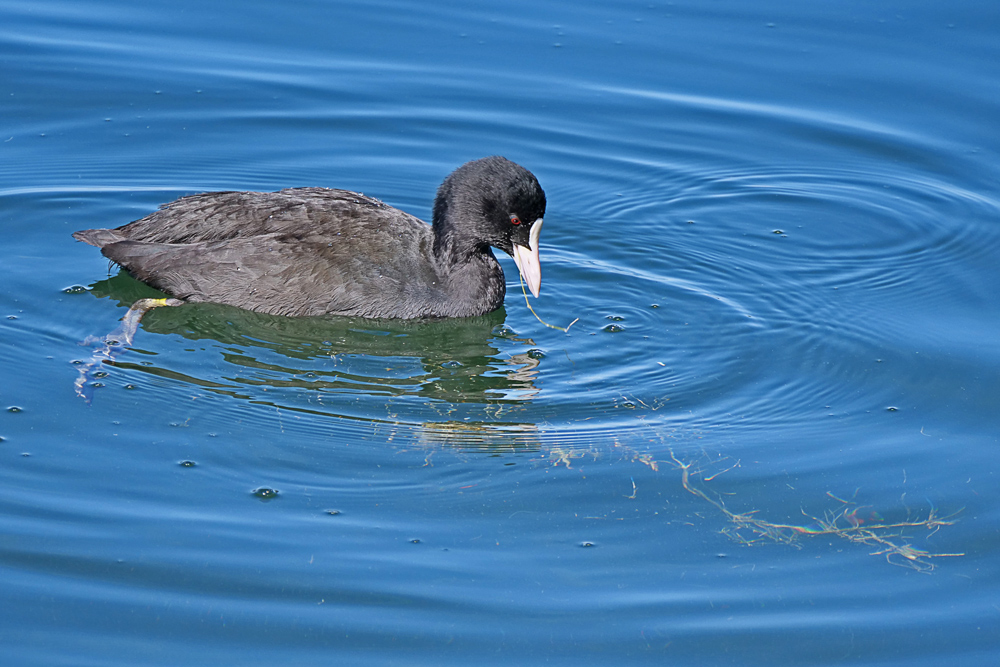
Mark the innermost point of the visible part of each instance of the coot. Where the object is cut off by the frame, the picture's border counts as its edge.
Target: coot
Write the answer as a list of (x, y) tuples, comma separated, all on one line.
[(317, 251)]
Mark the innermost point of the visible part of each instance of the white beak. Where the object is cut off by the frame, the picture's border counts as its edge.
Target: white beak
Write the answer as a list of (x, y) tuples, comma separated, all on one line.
[(527, 259)]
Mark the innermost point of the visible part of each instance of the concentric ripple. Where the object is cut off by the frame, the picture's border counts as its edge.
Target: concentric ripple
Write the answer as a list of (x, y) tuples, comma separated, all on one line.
[(724, 260)]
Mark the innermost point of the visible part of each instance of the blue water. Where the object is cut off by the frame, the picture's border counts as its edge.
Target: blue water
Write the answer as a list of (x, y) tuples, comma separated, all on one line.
[(777, 222)]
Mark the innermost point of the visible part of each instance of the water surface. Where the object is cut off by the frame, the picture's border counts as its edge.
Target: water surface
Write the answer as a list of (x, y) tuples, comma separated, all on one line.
[(777, 225)]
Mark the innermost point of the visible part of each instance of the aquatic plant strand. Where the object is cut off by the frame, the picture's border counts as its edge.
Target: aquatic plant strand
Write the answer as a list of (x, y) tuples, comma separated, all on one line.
[(889, 538), (551, 326)]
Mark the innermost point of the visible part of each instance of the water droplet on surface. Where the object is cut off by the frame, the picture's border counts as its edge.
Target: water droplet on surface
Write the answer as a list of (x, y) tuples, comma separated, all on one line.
[(613, 328), (615, 318), (535, 353), (333, 512), (415, 541), (265, 494), (892, 409), (75, 289), (503, 331), (187, 464), (587, 544), (14, 409), (451, 364)]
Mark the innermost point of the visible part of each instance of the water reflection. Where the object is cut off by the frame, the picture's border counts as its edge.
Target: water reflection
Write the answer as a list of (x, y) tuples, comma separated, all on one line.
[(476, 360), (480, 436)]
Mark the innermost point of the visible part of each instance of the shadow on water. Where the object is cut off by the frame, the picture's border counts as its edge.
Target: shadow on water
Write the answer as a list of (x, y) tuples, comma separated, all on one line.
[(414, 366)]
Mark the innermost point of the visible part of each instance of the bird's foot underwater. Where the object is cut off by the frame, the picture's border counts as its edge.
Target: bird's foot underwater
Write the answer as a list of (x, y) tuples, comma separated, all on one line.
[(109, 347)]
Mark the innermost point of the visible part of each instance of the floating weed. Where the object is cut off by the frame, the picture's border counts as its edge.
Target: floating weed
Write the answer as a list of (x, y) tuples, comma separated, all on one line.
[(566, 455), (858, 524)]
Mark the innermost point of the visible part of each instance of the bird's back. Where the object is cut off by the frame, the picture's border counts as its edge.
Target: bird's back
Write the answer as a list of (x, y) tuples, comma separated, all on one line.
[(300, 251)]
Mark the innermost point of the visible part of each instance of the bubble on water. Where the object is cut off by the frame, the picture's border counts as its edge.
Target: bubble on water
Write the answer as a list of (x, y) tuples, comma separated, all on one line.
[(503, 331), (187, 464), (586, 544), (334, 512), (613, 328), (615, 318), (535, 353), (892, 408), (75, 289), (15, 409), (265, 494), (451, 364)]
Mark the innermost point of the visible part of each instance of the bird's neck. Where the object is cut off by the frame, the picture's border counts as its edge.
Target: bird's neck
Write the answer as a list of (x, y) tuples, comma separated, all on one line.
[(451, 246)]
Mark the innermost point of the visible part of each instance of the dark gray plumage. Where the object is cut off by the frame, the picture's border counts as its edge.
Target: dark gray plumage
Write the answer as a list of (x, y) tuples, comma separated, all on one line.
[(316, 251)]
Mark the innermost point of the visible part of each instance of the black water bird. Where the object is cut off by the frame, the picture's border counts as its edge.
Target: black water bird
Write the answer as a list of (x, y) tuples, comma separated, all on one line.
[(318, 251)]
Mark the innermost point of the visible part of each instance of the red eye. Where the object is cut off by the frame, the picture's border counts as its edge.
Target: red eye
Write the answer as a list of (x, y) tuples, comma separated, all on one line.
[(514, 220)]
